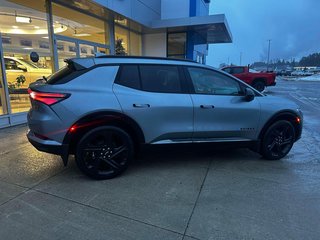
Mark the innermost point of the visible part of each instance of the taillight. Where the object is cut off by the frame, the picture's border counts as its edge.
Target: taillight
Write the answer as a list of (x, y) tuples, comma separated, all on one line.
[(47, 98)]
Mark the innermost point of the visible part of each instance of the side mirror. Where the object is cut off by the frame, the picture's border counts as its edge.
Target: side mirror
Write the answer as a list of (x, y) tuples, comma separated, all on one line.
[(22, 67), (249, 94)]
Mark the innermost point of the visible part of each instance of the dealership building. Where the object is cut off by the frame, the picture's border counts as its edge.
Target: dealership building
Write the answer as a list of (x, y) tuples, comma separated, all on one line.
[(60, 29)]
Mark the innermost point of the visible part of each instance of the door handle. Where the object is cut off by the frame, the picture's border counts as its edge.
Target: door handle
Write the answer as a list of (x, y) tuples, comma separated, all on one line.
[(206, 106), (141, 105)]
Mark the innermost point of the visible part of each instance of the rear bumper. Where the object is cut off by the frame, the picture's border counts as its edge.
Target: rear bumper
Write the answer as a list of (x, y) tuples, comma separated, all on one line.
[(47, 146)]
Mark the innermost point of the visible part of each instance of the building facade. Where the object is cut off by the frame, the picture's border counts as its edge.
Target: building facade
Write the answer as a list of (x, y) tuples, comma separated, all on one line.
[(57, 29)]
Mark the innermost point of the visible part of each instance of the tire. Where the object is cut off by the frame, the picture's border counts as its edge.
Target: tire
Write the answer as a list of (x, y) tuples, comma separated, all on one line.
[(278, 140), (104, 152), (259, 85)]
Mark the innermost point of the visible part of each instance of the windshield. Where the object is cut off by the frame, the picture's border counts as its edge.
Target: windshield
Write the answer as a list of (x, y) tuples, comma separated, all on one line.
[(253, 71), (30, 64)]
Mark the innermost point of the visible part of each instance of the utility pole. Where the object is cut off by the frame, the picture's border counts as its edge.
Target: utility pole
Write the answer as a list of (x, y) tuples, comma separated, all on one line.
[(240, 58), (268, 54)]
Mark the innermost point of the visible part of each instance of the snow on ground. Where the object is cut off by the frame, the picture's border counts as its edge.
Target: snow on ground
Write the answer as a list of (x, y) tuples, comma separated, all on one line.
[(315, 77)]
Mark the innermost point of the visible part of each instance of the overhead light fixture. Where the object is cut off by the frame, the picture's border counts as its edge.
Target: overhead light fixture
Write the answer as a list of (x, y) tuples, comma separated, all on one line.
[(36, 27), (28, 48), (15, 27), (20, 19), (46, 37)]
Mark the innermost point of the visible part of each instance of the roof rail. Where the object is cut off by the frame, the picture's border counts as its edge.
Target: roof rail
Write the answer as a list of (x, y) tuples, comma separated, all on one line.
[(145, 57)]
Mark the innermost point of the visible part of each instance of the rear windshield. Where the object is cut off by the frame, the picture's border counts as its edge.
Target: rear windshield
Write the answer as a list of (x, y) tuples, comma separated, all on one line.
[(64, 75)]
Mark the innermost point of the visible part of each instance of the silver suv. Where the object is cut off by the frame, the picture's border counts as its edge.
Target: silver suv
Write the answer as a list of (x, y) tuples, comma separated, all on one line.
[(103, 109)]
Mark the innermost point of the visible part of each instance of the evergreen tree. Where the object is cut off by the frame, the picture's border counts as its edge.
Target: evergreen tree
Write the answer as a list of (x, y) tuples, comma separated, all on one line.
[(120, 50)]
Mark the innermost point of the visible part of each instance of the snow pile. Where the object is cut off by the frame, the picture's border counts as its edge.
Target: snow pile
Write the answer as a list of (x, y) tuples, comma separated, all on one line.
[(315, 77)]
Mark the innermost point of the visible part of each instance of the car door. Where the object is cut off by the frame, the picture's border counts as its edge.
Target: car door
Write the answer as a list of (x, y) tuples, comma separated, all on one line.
[(220, 110), (155, 96)]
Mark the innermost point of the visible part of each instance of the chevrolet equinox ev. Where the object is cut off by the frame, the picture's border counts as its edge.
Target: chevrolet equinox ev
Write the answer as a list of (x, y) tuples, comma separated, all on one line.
[(103, 109)]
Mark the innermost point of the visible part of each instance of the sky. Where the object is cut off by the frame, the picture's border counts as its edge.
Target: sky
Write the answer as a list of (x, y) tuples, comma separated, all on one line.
[(292, 25)]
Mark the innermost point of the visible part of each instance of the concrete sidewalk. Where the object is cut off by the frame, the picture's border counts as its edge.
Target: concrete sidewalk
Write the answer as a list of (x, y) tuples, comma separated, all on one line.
[(168, 193)]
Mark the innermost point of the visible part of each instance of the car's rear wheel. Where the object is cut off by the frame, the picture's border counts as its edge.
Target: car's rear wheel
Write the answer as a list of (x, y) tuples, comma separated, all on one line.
[(278, 140), (259, 85), (104, 152)]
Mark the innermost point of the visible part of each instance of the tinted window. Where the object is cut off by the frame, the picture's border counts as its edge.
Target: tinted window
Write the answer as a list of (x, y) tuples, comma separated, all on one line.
[(10, 64), (129, 76), (160, 78), (237, 70), (177, 45), (228, 70), (64, 75), (211, 82)]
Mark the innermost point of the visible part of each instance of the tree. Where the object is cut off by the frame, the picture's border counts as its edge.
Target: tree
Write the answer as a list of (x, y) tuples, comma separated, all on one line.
[(311, 60), (120, 50)]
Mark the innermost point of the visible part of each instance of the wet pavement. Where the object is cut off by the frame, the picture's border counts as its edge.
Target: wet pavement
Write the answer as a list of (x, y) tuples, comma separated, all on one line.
[(168, 193)]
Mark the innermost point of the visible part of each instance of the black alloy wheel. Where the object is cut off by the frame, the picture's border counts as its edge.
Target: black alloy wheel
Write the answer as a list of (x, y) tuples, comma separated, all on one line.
[(104, 152), (278, 140), (259, 85)]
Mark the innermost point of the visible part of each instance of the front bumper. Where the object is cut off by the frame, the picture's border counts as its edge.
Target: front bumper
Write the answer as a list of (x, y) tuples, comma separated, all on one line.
[(49, 146)]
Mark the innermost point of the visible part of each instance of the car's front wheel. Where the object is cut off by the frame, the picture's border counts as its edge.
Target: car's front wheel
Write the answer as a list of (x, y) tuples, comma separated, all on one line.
[(278, 140), (104, 152)]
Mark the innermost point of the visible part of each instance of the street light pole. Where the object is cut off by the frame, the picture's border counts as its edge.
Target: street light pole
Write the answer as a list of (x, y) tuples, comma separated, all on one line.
[(268, 54)]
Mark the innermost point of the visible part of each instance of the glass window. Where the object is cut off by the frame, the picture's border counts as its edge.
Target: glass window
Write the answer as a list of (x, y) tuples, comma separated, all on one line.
[(177, 45), (129, 76), (20, 37), (228, 70), (160, 78), (10, 64), (74, 24), (121, 41), (3, 102), (65, 50), (237, 70), (135, 44), (210, 82), (86, 50)]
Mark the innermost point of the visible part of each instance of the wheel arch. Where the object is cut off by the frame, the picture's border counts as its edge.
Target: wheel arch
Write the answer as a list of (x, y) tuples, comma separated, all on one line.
[(259, 79), (101, 118), (288, 115)]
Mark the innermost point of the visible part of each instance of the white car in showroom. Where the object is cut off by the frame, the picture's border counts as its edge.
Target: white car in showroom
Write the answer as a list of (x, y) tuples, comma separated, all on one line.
[(17, 67)]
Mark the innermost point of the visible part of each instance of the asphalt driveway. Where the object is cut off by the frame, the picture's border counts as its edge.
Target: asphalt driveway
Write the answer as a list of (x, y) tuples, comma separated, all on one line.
[(168, 193)]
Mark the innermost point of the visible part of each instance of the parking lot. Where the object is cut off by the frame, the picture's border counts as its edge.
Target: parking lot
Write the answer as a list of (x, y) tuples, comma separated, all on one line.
[(168, 193)]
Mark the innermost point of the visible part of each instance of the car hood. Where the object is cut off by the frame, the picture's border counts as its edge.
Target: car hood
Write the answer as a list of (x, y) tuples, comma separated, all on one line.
[(277, 103)]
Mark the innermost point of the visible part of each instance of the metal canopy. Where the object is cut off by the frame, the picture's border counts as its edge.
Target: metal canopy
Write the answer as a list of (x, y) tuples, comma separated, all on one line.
[(205, 29)]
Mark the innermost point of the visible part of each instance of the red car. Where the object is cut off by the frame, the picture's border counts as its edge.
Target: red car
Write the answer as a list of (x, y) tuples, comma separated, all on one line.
[(256, 79)]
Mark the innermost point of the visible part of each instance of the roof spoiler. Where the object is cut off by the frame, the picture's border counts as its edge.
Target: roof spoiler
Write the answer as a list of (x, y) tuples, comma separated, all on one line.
[(80, 63)]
